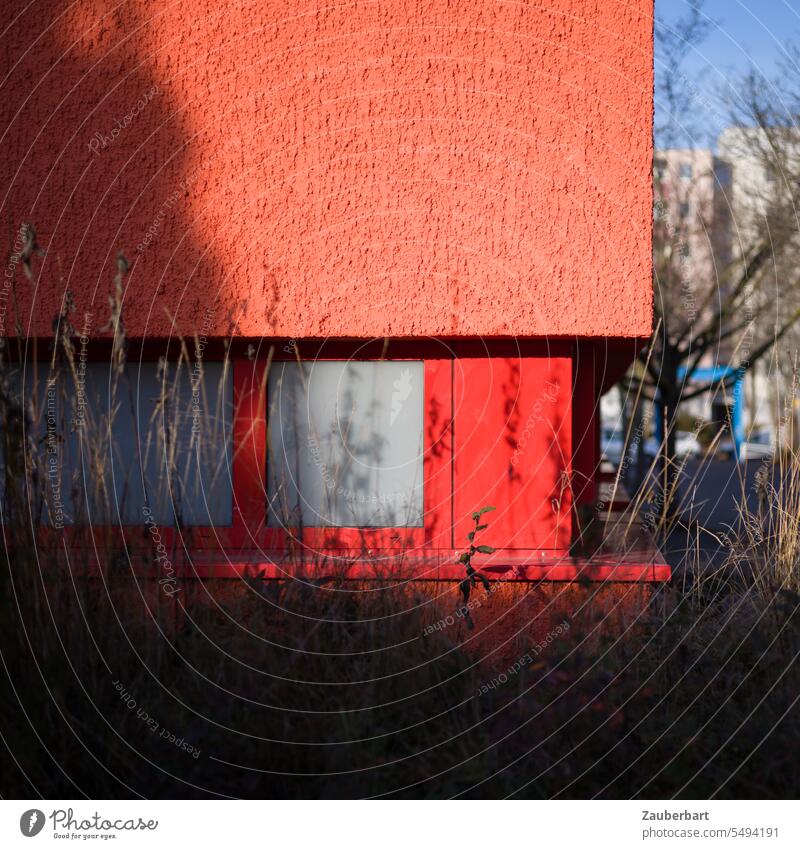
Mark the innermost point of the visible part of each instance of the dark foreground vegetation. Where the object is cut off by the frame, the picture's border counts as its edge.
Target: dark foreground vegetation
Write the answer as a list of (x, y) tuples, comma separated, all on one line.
[(111, 688)]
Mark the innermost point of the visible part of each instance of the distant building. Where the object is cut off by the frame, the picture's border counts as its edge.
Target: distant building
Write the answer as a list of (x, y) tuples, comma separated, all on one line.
[(755, 180), (709, 206), (757, 163), (692, 245), (690, 189)]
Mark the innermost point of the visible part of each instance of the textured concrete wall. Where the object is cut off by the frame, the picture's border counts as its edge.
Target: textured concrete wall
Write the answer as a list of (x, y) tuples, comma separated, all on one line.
[(447, 167)]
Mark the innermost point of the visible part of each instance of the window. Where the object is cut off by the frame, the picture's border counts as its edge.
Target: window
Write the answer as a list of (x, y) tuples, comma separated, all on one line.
[(108, 448), (345, 444), (686, 171), (684, 210), (686, 251), (660, 168), (277, 459)]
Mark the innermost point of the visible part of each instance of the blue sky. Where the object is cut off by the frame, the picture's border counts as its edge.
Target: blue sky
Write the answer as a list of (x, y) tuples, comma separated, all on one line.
[(745, 32)]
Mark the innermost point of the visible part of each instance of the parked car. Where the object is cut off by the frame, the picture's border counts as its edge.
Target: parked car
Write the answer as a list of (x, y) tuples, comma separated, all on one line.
[(686, 445), (759, 445)]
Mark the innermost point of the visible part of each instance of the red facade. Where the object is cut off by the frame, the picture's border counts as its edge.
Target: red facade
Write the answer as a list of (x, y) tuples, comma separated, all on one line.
[(463, 185)]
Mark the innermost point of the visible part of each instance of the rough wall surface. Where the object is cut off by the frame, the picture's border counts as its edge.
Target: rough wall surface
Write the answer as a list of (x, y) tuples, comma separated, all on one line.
[(401, 168)]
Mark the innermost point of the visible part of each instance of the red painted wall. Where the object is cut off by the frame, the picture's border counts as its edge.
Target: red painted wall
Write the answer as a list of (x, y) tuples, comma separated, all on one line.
[(513, 447), (439, 167)]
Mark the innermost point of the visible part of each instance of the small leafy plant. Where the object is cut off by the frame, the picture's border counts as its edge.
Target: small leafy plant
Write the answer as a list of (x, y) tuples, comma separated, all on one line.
[(473, 576)]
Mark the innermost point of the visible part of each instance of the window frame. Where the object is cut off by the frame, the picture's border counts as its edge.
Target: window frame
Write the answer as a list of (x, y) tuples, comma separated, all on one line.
[(251, 454), (248, 547), (120, 534), (249, 543), (311, 366), (248, 532)]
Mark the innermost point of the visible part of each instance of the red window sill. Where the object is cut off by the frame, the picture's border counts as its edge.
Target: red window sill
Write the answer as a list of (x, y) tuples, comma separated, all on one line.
[(645, 565)]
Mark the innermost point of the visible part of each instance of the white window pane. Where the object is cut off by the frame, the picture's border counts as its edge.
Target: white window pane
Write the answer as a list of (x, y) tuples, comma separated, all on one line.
[(101, 442), (345, 444)]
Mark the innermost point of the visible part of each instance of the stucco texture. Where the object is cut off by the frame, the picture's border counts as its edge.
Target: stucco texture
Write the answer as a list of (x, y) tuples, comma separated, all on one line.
[(395, 168)]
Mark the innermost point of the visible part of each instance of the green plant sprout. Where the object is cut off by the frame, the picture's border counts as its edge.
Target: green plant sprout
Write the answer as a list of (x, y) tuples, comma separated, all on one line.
[(473, 576)]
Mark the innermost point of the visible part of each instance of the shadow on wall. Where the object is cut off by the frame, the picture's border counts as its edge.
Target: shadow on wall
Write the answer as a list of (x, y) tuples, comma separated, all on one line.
[(101, 156), (513, 447), (539, 437), (290, 139)]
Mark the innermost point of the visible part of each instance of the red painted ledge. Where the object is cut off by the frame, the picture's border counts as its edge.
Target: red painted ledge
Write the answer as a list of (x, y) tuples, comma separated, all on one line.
[(389, 567), (620, 549), (518, 565)]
